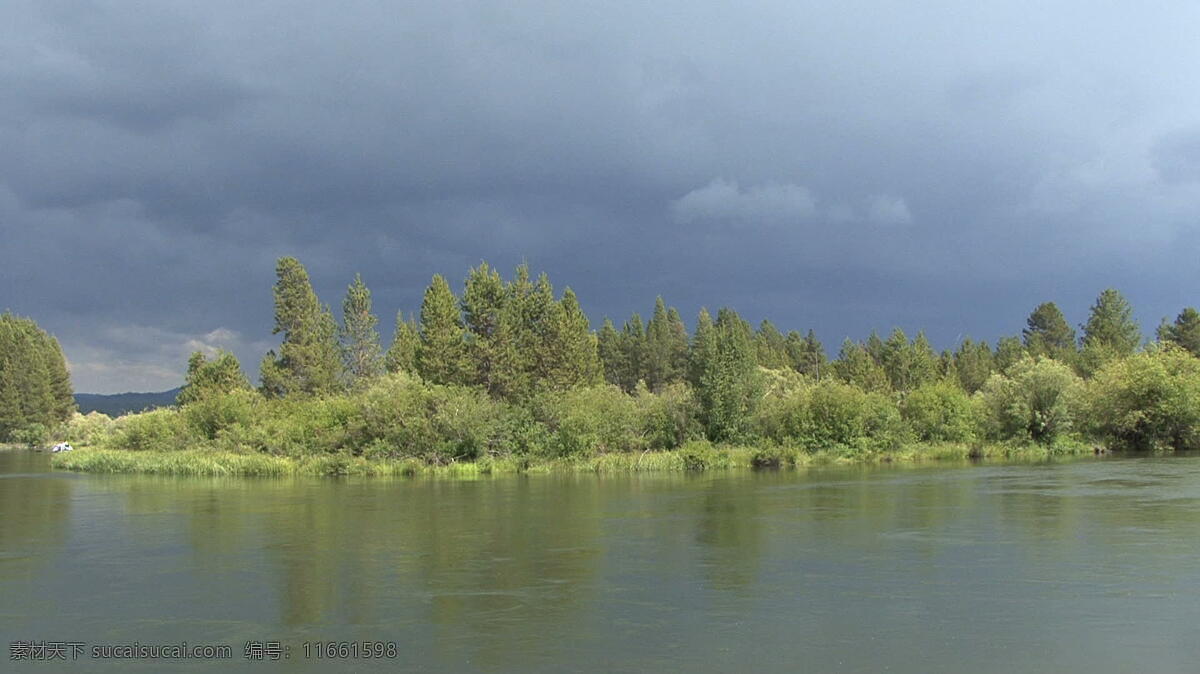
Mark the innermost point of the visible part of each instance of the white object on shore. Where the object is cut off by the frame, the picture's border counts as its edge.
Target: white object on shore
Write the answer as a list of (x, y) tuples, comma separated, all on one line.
[(62, 447)]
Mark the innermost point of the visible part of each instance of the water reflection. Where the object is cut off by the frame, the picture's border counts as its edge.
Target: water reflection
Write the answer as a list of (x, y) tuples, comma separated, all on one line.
[(35, 512)]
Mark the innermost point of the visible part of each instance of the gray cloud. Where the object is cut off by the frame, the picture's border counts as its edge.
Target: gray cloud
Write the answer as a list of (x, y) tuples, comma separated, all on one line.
[(840, 166)]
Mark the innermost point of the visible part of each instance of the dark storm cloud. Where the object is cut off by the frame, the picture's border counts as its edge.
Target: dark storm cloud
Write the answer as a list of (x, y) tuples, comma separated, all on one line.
[(844, 167)]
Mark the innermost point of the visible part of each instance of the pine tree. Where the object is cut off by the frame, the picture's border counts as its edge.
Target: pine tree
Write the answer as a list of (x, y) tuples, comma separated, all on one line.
[(35, 386), (490, 347), (1185, 331), (973, 362), (401, 356), (658, 366), (611, 353), (875, 347), (1110, 325), (908, 364), (701, 349), (442, 356), (769, 346), (730, 385), (634, 353), (359, 338), (309, 360), (1008, 352), (573, 354), (856, 366), (1047, 333), (678, 346)]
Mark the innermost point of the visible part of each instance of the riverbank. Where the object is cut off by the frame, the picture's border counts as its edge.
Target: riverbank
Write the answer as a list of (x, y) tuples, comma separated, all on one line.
[(692, 457)]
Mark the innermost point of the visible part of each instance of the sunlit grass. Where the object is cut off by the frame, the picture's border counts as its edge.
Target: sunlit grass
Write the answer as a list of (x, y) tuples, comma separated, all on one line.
[(695, 456)]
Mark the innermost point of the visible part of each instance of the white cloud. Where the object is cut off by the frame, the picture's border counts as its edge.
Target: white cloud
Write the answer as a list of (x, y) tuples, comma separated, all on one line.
[(888, 210), (724, 200)]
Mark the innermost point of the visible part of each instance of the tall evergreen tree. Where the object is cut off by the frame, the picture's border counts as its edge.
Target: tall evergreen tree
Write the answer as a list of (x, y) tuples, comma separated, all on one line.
[(908, 364), (611, 352), (1047, 333), (856, 366), (1110, 325), (401, 356), (441, 358), (678, 346), (730, 385), (35, 386), (1185, 331), (490, 346), (659, 356), (309, 360), (572, 349), (805, 354), (973, 363), (360, 340), (770, 348), (1009, 351), (702, 346), (634, 352)]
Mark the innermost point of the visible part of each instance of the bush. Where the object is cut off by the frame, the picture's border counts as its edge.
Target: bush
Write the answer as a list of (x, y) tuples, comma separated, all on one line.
[(215, 412), (1148, 401), (161, 429), (698, 455), (1038, 400), (832, 414), (30, 435), (670, 418), (940, 412), (593, 420), (87, 429)]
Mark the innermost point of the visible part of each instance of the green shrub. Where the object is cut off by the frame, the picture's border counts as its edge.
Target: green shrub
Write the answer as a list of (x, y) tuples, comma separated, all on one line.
[(698, 455), (940, 412), (31, 435), (832, 414), (215, 412), (1037, 400), (670, 418), (1148, 401), (85, 430), (593, 420), (161, 430)]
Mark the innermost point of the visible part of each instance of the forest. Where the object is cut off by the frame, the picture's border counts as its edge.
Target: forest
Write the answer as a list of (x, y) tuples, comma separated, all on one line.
[(511, 371)]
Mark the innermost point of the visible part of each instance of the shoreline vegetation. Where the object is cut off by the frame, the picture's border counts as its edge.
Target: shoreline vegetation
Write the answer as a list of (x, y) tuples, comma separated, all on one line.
[(697, 457), (509, 376)]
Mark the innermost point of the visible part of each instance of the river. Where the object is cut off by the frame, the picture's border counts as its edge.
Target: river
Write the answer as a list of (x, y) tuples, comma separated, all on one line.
[(1089, 565)]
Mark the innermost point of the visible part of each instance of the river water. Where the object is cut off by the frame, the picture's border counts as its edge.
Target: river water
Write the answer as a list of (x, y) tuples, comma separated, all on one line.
[(1087, 566)]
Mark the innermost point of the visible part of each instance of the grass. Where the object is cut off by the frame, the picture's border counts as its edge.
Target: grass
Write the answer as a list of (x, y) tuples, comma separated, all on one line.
[(696, 456)]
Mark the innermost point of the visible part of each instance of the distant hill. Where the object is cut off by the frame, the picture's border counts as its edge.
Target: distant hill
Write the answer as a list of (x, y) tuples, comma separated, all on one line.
[(116, 404)]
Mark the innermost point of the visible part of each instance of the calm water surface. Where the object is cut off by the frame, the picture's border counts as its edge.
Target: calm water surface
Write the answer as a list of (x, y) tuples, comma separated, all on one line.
[(1083, 566)]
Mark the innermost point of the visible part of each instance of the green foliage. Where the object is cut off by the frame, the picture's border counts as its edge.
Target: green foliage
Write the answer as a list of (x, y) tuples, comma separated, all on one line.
[(908, 364), (730, 385), (1110, 326), (856, 366), (831, 415), (1047, 334), (1185, 331), (359, 338), (1037, 400), (35, 387), (770, 347), (666, 347), (218, 411), (593, 420), (204, 378), (441, 358), (1148, 401), (940, 412), (156, 430), (973, 364), (670, 417), (84, 430), (31, 435), (490, 347), (570, 350), (806, 354), (309, 361), (1009, 351), (401, 356)]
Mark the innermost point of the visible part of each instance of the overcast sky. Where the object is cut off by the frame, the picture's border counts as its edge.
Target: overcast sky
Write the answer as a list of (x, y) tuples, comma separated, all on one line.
[(841, 166)]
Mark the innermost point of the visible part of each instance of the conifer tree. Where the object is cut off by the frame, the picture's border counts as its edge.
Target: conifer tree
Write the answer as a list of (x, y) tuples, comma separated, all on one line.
[(442, 356), (611, 353), (1110, 325), (875, 347), (573, 354), (730, 385), (490, 347), (678, 340), (360, 340), (634, 352), (856, 366), (35, 386), (658, 365), (1008, 352), (401, 356), (1047, 333), (309, 360), (1185, 331), (701, 347), (973, 363), (769, 346)]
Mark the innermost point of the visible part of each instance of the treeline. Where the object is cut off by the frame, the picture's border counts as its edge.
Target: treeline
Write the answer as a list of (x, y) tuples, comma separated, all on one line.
[(35, 387), (513, 368)]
